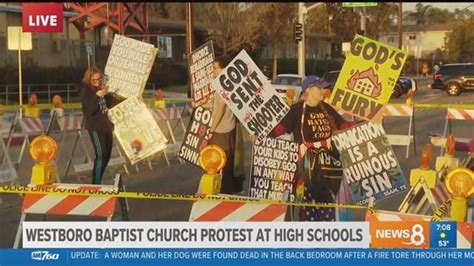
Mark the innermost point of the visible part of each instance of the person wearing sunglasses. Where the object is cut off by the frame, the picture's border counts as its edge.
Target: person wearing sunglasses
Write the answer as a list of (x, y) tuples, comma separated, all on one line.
[(95, 101)]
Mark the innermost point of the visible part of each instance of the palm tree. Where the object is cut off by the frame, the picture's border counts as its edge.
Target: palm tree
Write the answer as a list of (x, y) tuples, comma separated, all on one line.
[(421, 13)]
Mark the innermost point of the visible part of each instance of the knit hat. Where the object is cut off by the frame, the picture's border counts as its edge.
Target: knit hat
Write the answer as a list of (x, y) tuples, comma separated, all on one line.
[(311, 81)]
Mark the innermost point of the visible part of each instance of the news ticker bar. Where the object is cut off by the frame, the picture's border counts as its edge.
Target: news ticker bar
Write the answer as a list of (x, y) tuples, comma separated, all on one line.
[(402, 234), (246, 256)]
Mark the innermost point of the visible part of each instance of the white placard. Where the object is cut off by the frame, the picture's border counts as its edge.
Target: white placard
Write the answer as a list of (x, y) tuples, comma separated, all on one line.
[(136, 129), (250, 96), (129, 65)]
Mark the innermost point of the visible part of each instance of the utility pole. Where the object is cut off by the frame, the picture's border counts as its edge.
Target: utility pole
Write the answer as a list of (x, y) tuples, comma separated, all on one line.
[(400, 25), (301, 53), (363, 21), (189, 37), (302, 11)]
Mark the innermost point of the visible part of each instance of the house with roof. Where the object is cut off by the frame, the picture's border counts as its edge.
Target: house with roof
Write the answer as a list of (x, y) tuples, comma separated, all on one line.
[(419, 40)]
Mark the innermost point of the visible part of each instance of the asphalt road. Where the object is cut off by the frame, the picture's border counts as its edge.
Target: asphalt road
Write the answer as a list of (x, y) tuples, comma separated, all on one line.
[(184, 178)]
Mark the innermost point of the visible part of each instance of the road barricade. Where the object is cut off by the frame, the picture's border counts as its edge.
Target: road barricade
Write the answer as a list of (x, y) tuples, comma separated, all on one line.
[(64, 205), (207, 211), (456, 114), (166, 115), (30, 127), (402, 140)]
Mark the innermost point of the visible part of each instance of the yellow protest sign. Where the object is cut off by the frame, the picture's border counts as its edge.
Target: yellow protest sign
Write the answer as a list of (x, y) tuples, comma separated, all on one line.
[(367, 78)]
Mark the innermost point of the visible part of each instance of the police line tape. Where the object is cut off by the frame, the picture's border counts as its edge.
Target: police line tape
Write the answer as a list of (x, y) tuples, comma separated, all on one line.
[(437, 105), (78, 105), (50, 190)]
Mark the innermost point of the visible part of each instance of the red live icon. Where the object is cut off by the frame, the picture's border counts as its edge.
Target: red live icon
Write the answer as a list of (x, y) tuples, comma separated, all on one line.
[(43, 17)]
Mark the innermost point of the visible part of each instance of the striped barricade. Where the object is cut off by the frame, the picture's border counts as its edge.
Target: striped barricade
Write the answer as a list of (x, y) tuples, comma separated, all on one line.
[(8, 172), (62, 204), (206, 210), (30, 126), (70, 122), (167, 115), (402, 140), (464, 230), (456, 114), (419, 200)]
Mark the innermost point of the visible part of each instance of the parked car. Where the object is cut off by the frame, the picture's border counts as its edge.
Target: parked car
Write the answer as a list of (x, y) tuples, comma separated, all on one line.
[(454, 78), (401, 87), (283, 82)]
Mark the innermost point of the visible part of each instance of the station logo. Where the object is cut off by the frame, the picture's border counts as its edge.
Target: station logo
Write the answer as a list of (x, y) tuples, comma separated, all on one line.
[(44, 255), (42, 17), (403, 234)]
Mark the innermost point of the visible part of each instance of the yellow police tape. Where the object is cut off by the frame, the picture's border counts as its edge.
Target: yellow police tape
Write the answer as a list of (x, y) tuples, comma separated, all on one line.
[(78, 105), (438, 105), (49, 190)]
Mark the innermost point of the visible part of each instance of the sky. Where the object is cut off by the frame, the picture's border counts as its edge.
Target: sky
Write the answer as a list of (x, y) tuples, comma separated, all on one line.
[(450, 6)]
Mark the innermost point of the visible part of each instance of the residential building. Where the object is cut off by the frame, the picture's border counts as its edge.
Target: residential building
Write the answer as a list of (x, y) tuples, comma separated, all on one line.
[(419, 40)]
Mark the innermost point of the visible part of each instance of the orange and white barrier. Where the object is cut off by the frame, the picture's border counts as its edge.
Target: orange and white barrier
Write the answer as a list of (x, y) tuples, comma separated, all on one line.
[(205, 210), (167, 115), (31, 125), (64, 204), (456, 114), (70, 122), (401, 140), (8, 172), (464, 230)]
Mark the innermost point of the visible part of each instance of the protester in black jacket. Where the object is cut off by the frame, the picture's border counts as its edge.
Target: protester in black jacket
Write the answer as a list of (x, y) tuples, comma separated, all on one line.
[(95, 100)]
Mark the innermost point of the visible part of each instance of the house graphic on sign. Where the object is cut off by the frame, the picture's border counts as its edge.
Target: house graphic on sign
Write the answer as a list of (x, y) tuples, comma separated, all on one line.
[(365, 82)]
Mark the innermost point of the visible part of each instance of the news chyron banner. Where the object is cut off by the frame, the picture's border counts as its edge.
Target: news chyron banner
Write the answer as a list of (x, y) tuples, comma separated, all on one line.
[(195, 235), (247, 92), (369, 164), (196, 136), (129, 65), (201, 71), (136, 129), (367, 78), (273, 169)]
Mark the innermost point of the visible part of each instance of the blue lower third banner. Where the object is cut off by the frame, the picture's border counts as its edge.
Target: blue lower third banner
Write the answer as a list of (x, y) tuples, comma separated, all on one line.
[(170, 257)]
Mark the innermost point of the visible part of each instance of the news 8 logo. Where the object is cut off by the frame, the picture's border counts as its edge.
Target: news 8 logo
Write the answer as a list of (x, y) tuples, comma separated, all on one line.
[(443, 234)]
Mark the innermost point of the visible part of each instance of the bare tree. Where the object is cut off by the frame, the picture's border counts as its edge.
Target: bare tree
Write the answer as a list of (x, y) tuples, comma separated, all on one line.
[(277, 19), (232, 26)]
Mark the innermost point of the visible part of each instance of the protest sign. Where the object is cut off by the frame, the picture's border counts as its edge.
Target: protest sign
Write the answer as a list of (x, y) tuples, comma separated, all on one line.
[(367, 78), (136, 129), (247, 92), (369, 165), (129, 65), (273, 169), (201, 71), (197, 135)]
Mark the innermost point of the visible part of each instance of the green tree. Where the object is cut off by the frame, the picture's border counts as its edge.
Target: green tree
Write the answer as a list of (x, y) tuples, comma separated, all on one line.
[(460, 44), (420, 14), (380, 18)]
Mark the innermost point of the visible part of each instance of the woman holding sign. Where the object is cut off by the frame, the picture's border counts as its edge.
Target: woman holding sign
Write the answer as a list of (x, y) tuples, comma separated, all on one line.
[(95, 100), (312, 122)]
